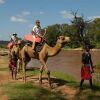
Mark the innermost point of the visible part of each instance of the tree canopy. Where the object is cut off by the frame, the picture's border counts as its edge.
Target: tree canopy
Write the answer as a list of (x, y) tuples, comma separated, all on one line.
[(88, 33)]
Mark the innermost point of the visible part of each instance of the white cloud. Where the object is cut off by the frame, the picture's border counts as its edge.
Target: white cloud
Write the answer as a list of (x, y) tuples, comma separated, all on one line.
[(20, 17), (41, 13), (23, 14), (66, 14), (93, 17), (2, 1)]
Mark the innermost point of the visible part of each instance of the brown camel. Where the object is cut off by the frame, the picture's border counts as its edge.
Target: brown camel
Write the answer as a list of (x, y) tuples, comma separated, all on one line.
[(27, 53), (13, 58)]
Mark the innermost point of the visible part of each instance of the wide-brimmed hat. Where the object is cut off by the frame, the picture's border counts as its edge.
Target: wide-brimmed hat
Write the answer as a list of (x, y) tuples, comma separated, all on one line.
[(14, 33)]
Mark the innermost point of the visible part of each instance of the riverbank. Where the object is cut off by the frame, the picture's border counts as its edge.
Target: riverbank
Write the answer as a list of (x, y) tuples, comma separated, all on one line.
[(79, 49)]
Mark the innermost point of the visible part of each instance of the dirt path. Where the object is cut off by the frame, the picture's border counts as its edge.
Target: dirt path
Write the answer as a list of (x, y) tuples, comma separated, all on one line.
[(5, 77), (67, 62)]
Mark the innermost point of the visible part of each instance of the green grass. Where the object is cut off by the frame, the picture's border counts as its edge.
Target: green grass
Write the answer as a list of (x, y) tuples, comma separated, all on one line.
[(28, 91), (87, 94), (61, 78), (19, 91), (56, 74), (98, 65)]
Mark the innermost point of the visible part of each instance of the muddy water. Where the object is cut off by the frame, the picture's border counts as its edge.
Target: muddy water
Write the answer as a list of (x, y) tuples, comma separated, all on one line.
[(69, 62)]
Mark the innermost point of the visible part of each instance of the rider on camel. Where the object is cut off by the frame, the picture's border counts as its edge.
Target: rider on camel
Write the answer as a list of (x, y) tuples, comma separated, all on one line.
[(37, 33)]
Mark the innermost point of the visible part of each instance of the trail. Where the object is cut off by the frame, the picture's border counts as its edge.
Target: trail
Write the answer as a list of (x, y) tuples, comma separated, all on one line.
[(67, 62)]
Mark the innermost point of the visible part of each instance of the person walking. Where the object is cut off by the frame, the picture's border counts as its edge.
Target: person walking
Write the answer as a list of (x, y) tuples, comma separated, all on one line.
[(87, 67)]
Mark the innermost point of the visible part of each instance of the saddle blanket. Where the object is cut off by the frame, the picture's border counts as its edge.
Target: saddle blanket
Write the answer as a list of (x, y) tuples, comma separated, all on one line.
[(29, 37), (9, 45)]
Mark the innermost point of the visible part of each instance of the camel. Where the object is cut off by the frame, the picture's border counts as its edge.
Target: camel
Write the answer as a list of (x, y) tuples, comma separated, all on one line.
[(15, 53), (27, 53), (14, 57)]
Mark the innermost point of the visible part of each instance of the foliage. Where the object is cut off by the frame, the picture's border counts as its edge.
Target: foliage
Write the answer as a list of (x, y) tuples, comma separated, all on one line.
[(3, 44), (91, 33), (52, 33)]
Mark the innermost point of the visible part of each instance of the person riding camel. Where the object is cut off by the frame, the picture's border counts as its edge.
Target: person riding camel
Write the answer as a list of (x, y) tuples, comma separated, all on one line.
[(37, 33), (13, 41), (14, 38)]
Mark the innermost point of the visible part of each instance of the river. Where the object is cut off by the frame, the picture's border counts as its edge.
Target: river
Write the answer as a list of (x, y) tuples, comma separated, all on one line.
[(68, 61)]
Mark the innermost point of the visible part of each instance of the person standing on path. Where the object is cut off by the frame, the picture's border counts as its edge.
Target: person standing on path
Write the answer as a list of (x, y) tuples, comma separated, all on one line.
[(87, 67)]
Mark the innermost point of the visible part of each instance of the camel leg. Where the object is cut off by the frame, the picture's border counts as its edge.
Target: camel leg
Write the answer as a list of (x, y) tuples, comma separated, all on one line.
[(15, 73), (48, 74), (40, 76), (49, 79), (18, 65), (12, 74), (43, 62), (24, 72)]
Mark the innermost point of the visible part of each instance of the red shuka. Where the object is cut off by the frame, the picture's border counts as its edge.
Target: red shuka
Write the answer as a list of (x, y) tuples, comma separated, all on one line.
[(86, 73)]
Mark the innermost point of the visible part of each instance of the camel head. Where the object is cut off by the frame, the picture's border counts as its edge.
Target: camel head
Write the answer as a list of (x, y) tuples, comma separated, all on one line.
[(63, 39), (16, 48)]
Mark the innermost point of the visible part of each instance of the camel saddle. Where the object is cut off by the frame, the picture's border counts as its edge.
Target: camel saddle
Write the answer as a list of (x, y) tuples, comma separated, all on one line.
[(39, 46)]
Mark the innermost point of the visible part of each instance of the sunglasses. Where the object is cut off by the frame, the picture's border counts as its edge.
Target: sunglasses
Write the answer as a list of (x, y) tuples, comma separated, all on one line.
[(37, 22)]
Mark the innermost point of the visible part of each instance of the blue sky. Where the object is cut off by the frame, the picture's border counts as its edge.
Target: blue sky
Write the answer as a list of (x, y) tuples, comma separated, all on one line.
[(19, 15)]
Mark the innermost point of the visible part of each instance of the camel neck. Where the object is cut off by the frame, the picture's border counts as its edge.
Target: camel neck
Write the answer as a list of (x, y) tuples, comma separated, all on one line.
[(52, 51)]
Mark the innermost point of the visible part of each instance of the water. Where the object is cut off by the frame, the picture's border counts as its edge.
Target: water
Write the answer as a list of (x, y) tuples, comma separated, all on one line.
[(67, 62)]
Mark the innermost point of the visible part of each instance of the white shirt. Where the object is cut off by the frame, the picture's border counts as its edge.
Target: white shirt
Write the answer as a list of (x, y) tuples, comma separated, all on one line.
[(37, 30), (14, 38)]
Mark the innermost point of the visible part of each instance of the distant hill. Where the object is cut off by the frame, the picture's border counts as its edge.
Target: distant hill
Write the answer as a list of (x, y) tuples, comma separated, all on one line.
[(3, 44)]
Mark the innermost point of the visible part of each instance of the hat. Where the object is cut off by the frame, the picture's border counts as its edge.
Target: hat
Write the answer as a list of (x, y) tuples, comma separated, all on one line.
[(14, 33)]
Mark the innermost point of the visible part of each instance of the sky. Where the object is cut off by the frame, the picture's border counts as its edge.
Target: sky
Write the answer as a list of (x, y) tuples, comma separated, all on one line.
[(19, 15)]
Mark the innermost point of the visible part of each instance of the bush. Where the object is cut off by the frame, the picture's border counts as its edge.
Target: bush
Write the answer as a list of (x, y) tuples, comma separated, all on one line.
[(98, 45)]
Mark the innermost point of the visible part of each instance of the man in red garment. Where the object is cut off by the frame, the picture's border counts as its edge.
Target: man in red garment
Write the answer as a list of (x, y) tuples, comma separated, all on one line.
[(87, 67)]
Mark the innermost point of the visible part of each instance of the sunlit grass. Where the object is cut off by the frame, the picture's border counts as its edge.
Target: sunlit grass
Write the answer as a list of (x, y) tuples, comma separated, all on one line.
[(19, 91), (29, 91)]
